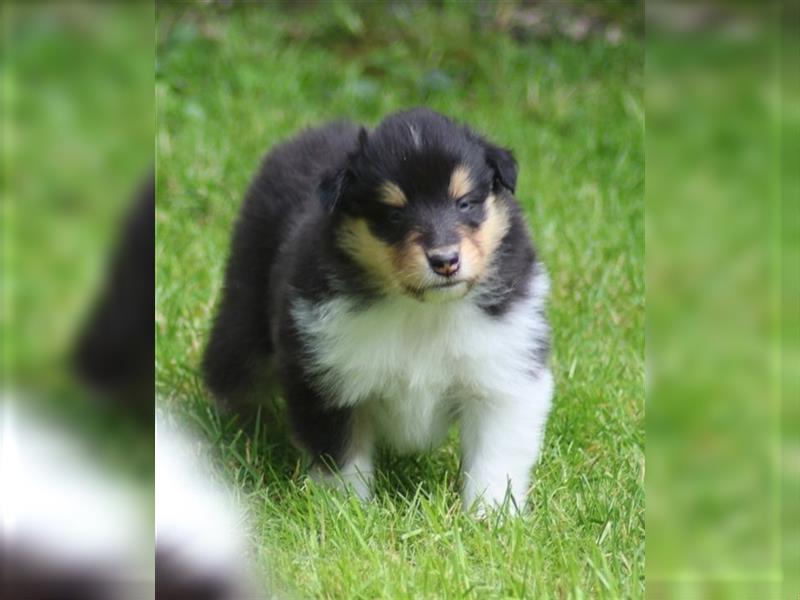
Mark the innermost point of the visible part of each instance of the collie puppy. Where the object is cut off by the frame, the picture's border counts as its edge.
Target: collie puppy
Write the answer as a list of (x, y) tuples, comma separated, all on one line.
[(389, 279)]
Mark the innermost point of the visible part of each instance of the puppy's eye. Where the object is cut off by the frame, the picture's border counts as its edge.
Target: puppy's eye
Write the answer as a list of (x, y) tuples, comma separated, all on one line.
[(395, 215), (463, 204)]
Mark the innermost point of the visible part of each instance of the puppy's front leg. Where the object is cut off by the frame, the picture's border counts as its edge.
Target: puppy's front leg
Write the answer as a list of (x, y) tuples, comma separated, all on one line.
[(353, 470), (339, 439), (501, 436)]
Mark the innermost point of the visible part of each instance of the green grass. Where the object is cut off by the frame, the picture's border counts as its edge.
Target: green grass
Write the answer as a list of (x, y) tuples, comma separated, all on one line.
[(228, 86)]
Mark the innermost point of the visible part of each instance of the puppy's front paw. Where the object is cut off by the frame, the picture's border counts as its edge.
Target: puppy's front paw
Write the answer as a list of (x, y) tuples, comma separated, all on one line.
[(348, 481), (479, 500)]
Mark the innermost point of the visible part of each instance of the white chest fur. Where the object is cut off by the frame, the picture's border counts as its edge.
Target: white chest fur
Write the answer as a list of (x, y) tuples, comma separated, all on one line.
[(410, 366)]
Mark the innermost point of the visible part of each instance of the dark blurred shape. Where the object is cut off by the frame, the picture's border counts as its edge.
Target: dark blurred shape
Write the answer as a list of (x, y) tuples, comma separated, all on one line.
[(115, 352), (177, 581), (27, 576)]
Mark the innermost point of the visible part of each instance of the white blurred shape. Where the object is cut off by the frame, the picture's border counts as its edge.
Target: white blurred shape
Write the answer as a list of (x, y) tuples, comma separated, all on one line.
[(60, 507), (195, 516), (200, 530)]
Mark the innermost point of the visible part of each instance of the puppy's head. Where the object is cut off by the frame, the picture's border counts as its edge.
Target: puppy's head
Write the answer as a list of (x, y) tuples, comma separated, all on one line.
[(421, 205)]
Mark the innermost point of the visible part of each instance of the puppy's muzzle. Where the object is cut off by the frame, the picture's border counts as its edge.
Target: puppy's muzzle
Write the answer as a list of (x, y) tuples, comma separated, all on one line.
[(445, 260)]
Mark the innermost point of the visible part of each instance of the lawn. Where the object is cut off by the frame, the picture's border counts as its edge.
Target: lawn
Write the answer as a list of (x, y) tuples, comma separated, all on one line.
[(232, 82)]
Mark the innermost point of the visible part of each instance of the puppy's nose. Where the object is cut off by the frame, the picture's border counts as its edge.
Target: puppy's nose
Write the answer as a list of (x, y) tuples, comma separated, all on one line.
[(444, 261)]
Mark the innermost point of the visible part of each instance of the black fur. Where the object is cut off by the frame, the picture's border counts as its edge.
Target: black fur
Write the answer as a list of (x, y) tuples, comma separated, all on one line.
[(114, 353), (285, 245), (285, 187)]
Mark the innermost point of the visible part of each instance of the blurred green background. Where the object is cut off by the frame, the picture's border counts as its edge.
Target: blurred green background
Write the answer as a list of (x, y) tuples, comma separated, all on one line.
[(560, 84), (722, 311), (77, 139), (77, 135)]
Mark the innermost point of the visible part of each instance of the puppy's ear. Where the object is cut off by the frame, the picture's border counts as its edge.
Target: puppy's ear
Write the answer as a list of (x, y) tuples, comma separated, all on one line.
[(362, 139), (504, 165), (334, 184), (332, 187)]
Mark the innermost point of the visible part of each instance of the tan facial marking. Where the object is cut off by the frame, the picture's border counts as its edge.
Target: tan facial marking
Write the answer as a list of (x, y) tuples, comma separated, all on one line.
[(460, 182), (374, 256), (392, 195), (479, 246), (494, 227), (471, 256), (410, 262), (393, 268), (403, 268)]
